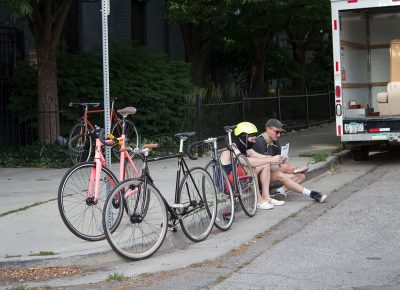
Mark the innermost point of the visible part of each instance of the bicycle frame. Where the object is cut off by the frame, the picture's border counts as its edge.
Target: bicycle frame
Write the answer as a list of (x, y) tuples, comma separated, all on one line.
[(100, 162)]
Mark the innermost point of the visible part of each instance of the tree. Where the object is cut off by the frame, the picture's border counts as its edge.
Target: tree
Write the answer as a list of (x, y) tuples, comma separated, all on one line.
[(46, 19), (308, 25), (201, 23)]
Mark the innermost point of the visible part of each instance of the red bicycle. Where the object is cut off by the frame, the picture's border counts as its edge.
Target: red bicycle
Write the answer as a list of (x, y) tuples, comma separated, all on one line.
[(80, 143)]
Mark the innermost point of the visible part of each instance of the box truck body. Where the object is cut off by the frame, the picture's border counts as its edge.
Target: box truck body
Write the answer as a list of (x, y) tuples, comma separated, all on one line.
[(366, 52)]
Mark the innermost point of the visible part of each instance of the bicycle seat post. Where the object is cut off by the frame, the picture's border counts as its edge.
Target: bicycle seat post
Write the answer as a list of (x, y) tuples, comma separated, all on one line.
[(229, 131), (181, 140)]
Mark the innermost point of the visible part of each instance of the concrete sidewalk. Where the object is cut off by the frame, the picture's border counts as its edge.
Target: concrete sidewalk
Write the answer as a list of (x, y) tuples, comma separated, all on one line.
[(27, 232)]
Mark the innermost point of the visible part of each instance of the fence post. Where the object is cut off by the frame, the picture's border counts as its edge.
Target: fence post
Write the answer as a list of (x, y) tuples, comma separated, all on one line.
[(199, 126), (243, 104), (307, 110), (279, 103), (329, 103)]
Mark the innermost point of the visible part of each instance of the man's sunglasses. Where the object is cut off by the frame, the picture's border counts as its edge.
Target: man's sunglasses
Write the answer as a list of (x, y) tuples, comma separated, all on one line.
[(277, 132)]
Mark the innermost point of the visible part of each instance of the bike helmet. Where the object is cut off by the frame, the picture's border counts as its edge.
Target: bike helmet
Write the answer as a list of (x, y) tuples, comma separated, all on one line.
[(245, 127)]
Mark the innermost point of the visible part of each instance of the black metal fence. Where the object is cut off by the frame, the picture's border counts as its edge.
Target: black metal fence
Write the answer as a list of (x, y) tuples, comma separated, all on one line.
[(295, 109), (208, 117)]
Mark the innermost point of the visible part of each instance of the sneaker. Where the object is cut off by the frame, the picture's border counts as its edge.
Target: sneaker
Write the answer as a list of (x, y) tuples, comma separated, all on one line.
[(278, 195), (277, 202), (318, 196), (265, 205)]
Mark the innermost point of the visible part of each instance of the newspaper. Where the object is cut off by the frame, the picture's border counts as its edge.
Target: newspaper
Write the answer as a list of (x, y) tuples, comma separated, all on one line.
[(285, 151)]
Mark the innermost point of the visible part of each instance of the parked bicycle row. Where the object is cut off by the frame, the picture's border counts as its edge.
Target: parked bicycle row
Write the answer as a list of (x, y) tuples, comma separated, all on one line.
[(132, 214)]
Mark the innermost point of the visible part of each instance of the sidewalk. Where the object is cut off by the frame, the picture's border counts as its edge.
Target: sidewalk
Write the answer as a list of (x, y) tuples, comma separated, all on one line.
[(39, 228)]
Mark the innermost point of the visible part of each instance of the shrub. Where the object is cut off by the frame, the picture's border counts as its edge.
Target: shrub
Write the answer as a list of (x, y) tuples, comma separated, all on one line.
[(158, 87)]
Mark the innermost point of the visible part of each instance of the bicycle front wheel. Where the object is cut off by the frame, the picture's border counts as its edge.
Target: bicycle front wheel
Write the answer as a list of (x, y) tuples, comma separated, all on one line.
[(131, 134), (143, 225), (246, 184), (81, 213), (198, 204), (80, 145), (225, 201)]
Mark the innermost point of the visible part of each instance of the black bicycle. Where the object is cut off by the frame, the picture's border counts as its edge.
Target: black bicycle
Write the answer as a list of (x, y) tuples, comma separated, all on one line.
[(140, 229)]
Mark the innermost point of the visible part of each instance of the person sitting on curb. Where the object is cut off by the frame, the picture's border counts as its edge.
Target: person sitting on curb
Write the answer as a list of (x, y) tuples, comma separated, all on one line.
[(244, 138), (267, 144)]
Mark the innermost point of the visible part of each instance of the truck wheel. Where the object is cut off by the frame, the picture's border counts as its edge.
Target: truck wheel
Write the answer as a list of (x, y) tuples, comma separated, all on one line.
[(360, 154)]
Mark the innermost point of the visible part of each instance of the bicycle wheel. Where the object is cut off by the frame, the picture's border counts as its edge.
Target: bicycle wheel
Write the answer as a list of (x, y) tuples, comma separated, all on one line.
[(225, 201), (80, 145), (143, 225), (198, 198), (131, 133), (80, 213), (246, 184)]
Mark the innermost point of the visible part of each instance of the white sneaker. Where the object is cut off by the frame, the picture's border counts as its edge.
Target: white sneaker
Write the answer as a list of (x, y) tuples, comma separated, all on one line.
[(265, 205), (277, 202)]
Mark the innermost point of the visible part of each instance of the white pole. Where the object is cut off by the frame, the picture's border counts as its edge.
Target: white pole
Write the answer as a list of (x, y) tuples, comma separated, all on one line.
[(105, 11)]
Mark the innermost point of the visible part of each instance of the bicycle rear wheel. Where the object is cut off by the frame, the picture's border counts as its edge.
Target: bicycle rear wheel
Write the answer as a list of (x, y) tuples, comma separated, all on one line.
[(246, 184), (131, 134), (225, 201), (80, 145), (80, 213), (198, 199), (143, 225)]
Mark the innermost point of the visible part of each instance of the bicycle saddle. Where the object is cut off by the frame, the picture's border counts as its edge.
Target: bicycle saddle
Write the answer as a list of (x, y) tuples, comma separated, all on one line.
[(185, 134), (127, 111)]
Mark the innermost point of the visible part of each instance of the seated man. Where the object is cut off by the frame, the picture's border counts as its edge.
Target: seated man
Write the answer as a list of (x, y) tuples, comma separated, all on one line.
[(267, 144), (244, 138)]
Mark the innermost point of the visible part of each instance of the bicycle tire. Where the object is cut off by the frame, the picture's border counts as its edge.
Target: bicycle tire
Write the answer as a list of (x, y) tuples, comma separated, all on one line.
[(131, 134), (80, 145), (246, 185), (225, 201), (143, 225), (81, 216), (199, 207)]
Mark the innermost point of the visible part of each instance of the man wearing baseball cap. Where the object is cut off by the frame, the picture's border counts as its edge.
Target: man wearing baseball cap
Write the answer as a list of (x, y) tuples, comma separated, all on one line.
[(267, 144)]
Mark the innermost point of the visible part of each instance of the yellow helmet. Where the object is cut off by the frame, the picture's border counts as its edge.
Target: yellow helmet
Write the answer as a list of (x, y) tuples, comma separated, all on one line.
[(245, 127)]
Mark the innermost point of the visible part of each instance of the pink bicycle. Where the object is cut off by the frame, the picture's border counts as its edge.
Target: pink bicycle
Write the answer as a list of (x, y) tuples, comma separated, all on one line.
[(85, 187)]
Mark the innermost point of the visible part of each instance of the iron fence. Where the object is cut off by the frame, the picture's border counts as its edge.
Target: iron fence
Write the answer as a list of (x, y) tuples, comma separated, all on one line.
[(208, 117)]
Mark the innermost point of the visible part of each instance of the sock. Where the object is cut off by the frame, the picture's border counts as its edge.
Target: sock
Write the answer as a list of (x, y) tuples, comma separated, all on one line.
[(306, 191), (280, 189)]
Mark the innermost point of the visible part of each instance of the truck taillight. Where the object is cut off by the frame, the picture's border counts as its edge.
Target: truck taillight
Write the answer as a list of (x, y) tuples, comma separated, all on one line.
[(337, 91), (352, 1), (374, 130)]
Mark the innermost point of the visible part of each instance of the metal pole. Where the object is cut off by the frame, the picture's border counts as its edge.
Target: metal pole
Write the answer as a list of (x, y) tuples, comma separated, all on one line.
[(279, 103), (307, 110), (199, 123), (105, 11)]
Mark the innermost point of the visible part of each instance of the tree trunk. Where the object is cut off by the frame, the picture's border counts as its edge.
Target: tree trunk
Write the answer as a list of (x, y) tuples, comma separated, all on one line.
[(198, 53), (258, 69), (260, 48), (46, 23), (47, 104), (299, 55)]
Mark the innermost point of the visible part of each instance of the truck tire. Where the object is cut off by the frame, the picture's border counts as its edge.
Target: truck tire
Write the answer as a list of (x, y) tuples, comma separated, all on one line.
[(360, 153)]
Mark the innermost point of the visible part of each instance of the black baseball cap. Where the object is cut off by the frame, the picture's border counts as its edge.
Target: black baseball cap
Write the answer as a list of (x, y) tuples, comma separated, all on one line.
[(274, 123)]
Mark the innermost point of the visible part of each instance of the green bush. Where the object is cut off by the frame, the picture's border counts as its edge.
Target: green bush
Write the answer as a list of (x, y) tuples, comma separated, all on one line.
[(158, 87), (36, 155)]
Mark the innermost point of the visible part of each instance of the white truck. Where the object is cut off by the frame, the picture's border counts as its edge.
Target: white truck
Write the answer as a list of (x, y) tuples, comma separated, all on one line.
[(366, 58)]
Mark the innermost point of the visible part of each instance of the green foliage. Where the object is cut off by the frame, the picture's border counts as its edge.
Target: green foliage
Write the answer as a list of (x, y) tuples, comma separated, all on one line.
[(36, 155), (159, 88), (116, 277)]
